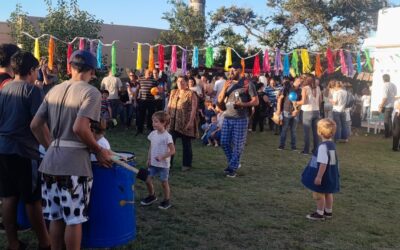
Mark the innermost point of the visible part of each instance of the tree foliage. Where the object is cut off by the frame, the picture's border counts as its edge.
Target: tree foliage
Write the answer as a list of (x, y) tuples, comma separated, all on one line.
[(187, 28), (18, 22), (333, 23), (64, 20), (271, 30), (319, 23)]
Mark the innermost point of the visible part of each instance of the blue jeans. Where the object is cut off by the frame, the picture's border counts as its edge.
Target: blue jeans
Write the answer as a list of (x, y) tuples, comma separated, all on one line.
[(126, 114), (233, 138), (341, 125), (157, 171), (289, 122), (310, 119)]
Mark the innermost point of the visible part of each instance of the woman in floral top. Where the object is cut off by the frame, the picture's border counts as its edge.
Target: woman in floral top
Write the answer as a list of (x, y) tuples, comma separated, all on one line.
[(182, 107)]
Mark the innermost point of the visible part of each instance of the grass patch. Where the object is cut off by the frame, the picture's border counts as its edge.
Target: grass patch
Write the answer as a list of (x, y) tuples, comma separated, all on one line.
[(265, 207)]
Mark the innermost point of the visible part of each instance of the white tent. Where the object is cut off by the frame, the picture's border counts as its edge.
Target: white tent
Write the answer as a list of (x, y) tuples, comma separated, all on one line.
[(385, 49)]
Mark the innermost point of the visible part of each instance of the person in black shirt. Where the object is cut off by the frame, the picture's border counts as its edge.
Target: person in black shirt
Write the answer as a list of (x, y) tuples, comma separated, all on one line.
[(146, 102), (6, 72)]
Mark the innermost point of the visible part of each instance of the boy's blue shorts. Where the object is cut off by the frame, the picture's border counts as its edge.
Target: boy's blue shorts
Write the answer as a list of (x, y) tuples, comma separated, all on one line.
[(162, 172)]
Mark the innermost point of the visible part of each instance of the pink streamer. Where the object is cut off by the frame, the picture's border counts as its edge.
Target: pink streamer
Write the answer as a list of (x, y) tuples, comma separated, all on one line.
[(266, 65), (173, 59), (81, 44)]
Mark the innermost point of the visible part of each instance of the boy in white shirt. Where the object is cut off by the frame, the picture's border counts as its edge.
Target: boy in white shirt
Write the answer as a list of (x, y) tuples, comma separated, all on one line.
[(159, 159)]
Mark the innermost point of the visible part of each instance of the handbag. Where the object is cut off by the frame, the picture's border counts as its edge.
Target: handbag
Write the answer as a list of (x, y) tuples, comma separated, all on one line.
[(276, 119)]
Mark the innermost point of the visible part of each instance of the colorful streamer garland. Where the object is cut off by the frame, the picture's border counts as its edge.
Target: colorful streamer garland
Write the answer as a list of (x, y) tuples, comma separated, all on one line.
[(195, 57), (114, 59), (173, 60), (266, 65), (256, 66), (161, 57), (139, 65), (36, 50), (51, 49), (209, 57), (346, 60), (99, 55), (183, 67), (228, 59), (151, 59)]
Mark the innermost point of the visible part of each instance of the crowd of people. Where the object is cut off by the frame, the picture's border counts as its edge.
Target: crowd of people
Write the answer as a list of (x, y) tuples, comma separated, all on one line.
[(69, 119)]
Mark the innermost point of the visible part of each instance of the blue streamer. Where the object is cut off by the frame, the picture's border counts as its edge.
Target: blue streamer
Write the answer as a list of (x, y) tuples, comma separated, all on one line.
[(359, 68), (99, 55), (195, 58), (286, 65)]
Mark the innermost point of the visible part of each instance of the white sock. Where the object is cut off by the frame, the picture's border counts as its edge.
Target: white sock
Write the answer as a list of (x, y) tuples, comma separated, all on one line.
[(328, 210), (320, 212)]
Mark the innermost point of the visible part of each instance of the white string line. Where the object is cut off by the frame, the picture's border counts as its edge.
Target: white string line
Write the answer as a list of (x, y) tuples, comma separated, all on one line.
[(73, 40)]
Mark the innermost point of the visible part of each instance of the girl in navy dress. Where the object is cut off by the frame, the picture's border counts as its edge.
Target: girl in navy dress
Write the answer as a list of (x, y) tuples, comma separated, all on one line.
[(321, 175)]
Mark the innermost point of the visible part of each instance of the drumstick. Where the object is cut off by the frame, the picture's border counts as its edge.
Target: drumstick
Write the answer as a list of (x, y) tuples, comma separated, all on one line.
[(141, 174), (120, 156), (125, 165)]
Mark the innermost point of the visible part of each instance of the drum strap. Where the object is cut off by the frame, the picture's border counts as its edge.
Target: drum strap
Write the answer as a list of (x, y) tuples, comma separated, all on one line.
[(68, 144)]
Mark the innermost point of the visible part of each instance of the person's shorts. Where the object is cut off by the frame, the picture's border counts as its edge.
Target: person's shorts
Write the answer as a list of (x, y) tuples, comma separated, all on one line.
[(162, 172), (66, 197), (19, 177)]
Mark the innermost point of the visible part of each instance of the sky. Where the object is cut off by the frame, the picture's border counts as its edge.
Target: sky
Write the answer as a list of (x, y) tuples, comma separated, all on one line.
[(135, 12), (126, 12)]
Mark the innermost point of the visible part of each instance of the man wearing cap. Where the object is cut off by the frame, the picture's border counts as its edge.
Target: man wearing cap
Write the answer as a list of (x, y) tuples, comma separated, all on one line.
[(238, 95), (62, 125)]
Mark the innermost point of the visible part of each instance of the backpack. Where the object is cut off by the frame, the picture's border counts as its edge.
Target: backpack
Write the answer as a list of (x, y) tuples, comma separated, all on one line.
[(350, 100)]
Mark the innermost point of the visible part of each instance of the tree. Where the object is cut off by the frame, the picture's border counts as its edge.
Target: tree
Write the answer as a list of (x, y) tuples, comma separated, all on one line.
[(64, 21), (187, 28), (273, 31), (332, 23), (228, 38), (19, 22)]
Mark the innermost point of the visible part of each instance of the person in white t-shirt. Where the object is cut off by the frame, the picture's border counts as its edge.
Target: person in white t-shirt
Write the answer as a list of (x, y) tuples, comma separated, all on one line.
[(219, 83), (98, 130), (159, 159), (366, 103), (338, 101)]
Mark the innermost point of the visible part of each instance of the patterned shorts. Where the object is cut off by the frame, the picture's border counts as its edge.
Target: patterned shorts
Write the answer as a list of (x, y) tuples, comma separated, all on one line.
[(66, 197)]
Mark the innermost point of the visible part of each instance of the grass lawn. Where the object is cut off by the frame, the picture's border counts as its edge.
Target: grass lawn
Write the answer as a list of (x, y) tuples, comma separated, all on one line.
[(265, 206)]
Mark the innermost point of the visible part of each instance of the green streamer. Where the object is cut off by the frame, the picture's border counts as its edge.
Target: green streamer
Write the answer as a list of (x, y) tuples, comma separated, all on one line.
[(209, 57), (114, 59), (368, 60), (295, 62)]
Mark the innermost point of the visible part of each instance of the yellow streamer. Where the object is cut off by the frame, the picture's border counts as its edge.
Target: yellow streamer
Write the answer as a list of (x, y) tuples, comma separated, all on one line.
[(36, 51), (139, 57), (305, 59), (151, 58), (228, 60), (51, 53)]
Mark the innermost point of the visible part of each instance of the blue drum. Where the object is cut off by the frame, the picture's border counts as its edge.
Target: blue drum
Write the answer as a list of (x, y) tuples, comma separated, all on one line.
[(111, 212), (22, 218)]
